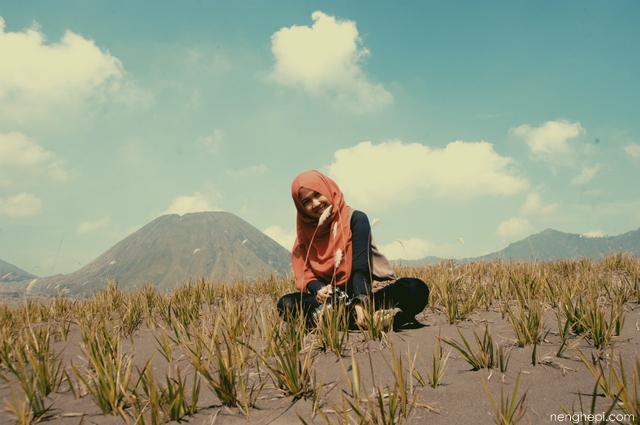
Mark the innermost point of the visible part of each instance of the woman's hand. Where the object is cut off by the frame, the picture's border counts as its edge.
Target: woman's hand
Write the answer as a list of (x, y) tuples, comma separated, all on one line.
[(361, 316), (324, 294), (361, 320)]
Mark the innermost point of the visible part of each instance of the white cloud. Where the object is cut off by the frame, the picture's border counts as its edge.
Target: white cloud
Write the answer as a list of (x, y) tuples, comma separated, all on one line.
[(633, 150), (20, 153), (20, 205), (131, 230), (278, 234), (212, 142), (325, 59), (90, 226), (391, 172), (201, 58), (586, 175), (593, 234), (549, 141), (38, 79), (414, 249), (133, 152), (187, 204), (534, 206), (514, 226), (254, 170)]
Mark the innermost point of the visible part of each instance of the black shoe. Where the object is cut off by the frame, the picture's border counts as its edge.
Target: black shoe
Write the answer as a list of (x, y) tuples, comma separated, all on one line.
[(404, 320)]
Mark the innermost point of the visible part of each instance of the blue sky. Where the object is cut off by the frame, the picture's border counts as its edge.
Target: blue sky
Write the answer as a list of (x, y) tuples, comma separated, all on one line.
[(463, 126)]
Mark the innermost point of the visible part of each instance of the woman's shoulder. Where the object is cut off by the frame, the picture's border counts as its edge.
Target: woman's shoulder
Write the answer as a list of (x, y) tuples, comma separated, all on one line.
[(358, 215), (359, 219)]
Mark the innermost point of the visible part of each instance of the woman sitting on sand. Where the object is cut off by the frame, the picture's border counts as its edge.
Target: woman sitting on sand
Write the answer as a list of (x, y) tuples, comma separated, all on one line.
[(334, 252)]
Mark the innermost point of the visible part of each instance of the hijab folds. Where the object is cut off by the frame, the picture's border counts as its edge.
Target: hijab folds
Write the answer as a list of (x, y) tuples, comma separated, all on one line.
[(315, 250)]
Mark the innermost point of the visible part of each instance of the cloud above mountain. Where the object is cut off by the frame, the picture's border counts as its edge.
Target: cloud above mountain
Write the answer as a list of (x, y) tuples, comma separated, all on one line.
[(390, 172), (633, 150), (92, 225), (534, 206), (21, 205), (23, 158), (43, 81), (550, 140), (414, 249), (587, 174), (188, 204), (514, 226), (326, 60)]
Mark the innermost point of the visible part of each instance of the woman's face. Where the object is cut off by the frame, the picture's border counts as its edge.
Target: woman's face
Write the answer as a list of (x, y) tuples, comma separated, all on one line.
[(313, 202)]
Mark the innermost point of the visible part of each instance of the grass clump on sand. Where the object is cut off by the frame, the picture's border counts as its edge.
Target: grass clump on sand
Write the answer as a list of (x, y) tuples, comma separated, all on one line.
[(208, 349)]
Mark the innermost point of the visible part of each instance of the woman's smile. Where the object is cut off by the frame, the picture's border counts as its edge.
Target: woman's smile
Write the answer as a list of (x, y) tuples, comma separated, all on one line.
[(313, 202)]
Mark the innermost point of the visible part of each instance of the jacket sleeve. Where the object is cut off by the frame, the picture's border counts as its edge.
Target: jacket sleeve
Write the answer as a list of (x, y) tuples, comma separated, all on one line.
[(360, 248)]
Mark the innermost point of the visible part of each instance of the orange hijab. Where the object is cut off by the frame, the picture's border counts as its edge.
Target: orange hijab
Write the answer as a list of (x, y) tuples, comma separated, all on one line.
[(314, 253)]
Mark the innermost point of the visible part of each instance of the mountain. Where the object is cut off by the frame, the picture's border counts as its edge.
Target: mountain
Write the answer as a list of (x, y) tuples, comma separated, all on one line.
[(552, 245), (11, 273), (425, 261), (218, 246)]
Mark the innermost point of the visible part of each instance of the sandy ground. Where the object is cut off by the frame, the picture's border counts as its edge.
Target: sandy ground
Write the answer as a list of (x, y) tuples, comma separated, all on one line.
[(553, 385)]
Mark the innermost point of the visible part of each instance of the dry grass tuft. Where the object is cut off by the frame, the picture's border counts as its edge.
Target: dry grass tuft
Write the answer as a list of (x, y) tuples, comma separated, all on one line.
[(231, 339)]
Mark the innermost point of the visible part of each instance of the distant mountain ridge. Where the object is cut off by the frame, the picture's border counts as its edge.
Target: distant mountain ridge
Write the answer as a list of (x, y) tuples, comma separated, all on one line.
[(551, 245), (218, 246), (11, 273), (425, 261), (221, 246)]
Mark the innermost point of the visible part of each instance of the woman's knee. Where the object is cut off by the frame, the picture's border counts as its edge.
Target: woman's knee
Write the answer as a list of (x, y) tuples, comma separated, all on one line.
[(416, 293), (413, 285), (296, 303), (418, 288), (286, 304)]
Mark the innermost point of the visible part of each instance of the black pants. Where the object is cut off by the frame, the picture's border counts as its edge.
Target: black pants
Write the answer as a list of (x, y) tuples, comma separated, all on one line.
[(409, 294)]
